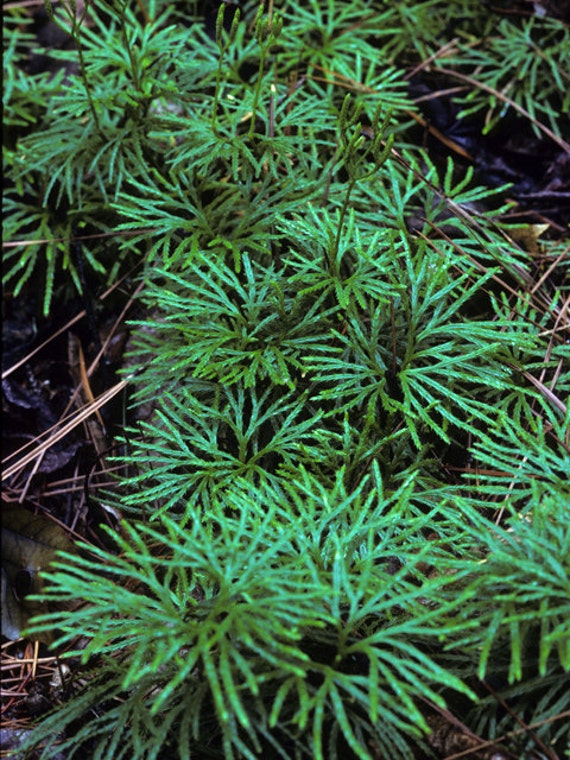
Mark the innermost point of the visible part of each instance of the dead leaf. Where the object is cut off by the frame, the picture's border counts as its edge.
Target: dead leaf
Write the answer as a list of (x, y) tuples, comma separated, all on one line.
[(29, 545), (527, 236)]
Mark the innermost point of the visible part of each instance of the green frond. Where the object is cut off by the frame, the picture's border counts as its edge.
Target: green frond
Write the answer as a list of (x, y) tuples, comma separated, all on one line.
[(347, 506)]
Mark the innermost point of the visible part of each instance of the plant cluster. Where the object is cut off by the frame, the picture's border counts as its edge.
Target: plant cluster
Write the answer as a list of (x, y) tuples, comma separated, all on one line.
[(349, 507)]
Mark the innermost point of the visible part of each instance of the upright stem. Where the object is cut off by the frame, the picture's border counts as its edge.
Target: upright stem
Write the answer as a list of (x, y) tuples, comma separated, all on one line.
[(132, 59), (343, 210), (75, 33)]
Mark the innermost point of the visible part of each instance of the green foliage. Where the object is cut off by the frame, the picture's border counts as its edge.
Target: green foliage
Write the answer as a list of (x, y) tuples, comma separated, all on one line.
[(535, 62), (276, 615), (302, 571)]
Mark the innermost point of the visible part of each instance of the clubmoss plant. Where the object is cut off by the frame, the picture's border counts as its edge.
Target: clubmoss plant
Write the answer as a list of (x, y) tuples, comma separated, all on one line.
[(349, 507)]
